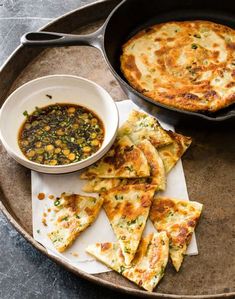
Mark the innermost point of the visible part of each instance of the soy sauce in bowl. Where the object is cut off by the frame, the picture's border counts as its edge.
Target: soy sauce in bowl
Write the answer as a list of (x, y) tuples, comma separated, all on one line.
[(60, 134)]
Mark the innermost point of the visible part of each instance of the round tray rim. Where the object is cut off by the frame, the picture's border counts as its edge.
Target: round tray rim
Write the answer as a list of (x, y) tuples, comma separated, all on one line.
[(42, 249)]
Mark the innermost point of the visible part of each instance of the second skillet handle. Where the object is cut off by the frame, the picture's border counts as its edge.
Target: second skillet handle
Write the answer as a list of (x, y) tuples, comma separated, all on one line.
[(51, 39)]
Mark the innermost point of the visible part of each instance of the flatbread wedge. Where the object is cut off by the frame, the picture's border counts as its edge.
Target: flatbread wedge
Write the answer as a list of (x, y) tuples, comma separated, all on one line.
[(178, 218), (157, 170), (127, 208), (73, 214), (140, 126), (157, 173), (123, 160), (171, 153), (148, 266)]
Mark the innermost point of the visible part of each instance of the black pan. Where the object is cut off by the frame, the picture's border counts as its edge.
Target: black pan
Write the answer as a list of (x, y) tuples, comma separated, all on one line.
[(125, 20)]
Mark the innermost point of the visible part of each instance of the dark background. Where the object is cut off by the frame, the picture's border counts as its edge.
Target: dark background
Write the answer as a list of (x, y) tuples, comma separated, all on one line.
[(25, 272)]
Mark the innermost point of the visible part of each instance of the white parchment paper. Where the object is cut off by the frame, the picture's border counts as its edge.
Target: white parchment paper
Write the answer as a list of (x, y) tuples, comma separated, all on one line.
[(100, 230)]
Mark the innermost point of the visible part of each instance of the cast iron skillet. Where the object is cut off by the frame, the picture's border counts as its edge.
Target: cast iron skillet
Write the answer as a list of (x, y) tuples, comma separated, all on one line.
[(125, 20)]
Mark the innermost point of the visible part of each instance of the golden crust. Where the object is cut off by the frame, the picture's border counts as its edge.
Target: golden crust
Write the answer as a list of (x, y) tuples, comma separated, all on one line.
[(147, 268), (157, 173), (157, 170), (171, 153), (74, 213), (178, 218), (127, 208), (169, 148), (159, 147), (123, 160), (140, 126), (187, 65)]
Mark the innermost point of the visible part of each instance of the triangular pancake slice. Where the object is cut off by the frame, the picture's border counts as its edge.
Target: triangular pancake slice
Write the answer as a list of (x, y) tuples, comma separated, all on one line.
[(123, 160), (157, 170), (73, 214), (148, 266), (157, 173), (127, 208), (171, 153), (171, 146), (178, 218), (140, 126)]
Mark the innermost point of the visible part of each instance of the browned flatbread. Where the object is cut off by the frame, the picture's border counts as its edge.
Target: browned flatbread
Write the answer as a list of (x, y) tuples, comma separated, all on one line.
[(188, 65), (148, 266), (157, 172), (171, 153), (127, 208), (178, 218), (157, 169), (140, 126), (74, 213), (123, 160)]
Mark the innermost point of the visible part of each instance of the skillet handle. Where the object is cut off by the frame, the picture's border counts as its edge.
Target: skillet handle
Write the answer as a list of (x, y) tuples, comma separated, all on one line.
[(52, 39)]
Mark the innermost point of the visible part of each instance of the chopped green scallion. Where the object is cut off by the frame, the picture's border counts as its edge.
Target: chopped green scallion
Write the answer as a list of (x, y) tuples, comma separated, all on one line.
[(57, 202)]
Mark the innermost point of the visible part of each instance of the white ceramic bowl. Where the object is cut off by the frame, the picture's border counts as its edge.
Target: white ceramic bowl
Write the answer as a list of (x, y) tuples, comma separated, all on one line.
[(63, 89)]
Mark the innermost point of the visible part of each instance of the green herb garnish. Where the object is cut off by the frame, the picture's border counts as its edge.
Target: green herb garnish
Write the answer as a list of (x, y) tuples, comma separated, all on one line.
[(131, 222), (132, 46), (122, 269), (148, 247), (161, 273), (194, 46), (118, 197), (127, 250), (25, 113), (57, 202), (130, 168)]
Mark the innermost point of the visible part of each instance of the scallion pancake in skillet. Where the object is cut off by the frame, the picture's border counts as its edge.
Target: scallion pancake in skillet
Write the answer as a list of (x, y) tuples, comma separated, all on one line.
[(188, 65)]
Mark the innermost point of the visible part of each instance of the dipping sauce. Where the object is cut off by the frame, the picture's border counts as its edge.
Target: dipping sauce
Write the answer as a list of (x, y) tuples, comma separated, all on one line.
[(60, 134), (41, 196)]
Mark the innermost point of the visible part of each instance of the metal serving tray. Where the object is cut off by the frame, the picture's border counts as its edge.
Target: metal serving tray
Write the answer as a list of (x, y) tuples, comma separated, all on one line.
[(209, 168)]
